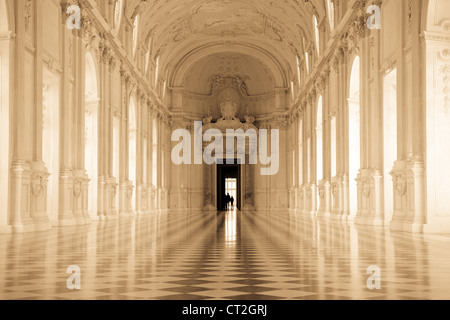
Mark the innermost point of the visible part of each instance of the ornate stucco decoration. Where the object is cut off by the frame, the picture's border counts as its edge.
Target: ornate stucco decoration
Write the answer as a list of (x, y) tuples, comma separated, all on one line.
[(38, 184), (400, 183), (219, 82), (77, 189)]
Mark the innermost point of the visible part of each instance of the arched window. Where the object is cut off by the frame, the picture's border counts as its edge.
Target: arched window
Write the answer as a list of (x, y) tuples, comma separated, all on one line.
[(333, 147), (390, 142), (164, 90), (330, 12), (307, 61), (316, 34), (155, 153), (135, 35), (156, 72), (306, 55), (118, 8), (51, 138), (319, 136), (148, 55), (300, 152), (132, 155), (91, 132), (354, 134)]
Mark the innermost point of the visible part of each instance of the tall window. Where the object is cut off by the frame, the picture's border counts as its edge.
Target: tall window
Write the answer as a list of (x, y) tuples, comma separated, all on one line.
[(132, 131), (164, 90), (155, 154), (354, 135), (317, 34), (116, 156), (135, 35), (319, 135), (333, 147), (300, 152), (308, 159), (156, 71), (51, 138), (293, 167), (91, 132), (330, 11), (148, 56), (118, 7), (144, 156), (306, 55), (390, 126), (307, 61)]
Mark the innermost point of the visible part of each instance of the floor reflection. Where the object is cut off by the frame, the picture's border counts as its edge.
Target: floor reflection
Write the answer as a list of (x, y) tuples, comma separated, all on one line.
[(229, 255), (231, 228)]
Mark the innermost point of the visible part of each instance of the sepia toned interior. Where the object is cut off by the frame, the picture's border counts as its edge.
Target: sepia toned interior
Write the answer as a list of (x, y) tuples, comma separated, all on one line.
[(87, 115)]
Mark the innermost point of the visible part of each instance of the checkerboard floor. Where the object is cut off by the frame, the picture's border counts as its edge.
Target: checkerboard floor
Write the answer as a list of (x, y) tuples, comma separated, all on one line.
[(228, 256)]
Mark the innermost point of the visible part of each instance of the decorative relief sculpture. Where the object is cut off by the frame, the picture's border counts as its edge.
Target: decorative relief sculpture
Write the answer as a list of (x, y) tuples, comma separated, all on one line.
[(322, 192), (445, 73), (365, 189), (77, 188), (400, 183), (38, 185), (28, 14), (209, 198), (228, 109), (249, 198)]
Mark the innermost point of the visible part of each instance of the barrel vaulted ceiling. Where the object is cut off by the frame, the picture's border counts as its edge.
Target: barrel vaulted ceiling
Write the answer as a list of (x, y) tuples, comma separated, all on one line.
[(257, 35)]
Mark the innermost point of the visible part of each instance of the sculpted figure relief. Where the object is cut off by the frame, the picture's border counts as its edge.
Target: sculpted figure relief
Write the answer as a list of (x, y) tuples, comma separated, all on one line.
[(228, 109)]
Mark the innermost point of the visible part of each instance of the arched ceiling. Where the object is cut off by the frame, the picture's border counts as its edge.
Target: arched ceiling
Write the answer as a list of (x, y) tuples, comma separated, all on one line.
[(183, 32), (256, 74)]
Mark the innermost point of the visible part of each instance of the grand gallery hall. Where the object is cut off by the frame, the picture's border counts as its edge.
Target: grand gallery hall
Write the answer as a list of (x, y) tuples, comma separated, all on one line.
[(118, 123)]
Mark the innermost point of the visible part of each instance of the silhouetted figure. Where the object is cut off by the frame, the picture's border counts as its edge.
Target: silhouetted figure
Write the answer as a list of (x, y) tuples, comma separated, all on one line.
[(227, 201), (232, 202)]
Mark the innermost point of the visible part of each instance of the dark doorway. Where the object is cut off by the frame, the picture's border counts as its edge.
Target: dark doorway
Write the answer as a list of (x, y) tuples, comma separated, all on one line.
[(224, 172)]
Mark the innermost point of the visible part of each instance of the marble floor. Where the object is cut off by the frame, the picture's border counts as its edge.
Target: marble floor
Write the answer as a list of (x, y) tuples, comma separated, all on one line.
[(232, 255)]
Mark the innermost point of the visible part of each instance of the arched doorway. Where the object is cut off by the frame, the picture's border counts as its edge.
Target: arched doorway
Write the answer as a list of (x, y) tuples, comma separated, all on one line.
[(354, 135), (132, 160), (91, 132)]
